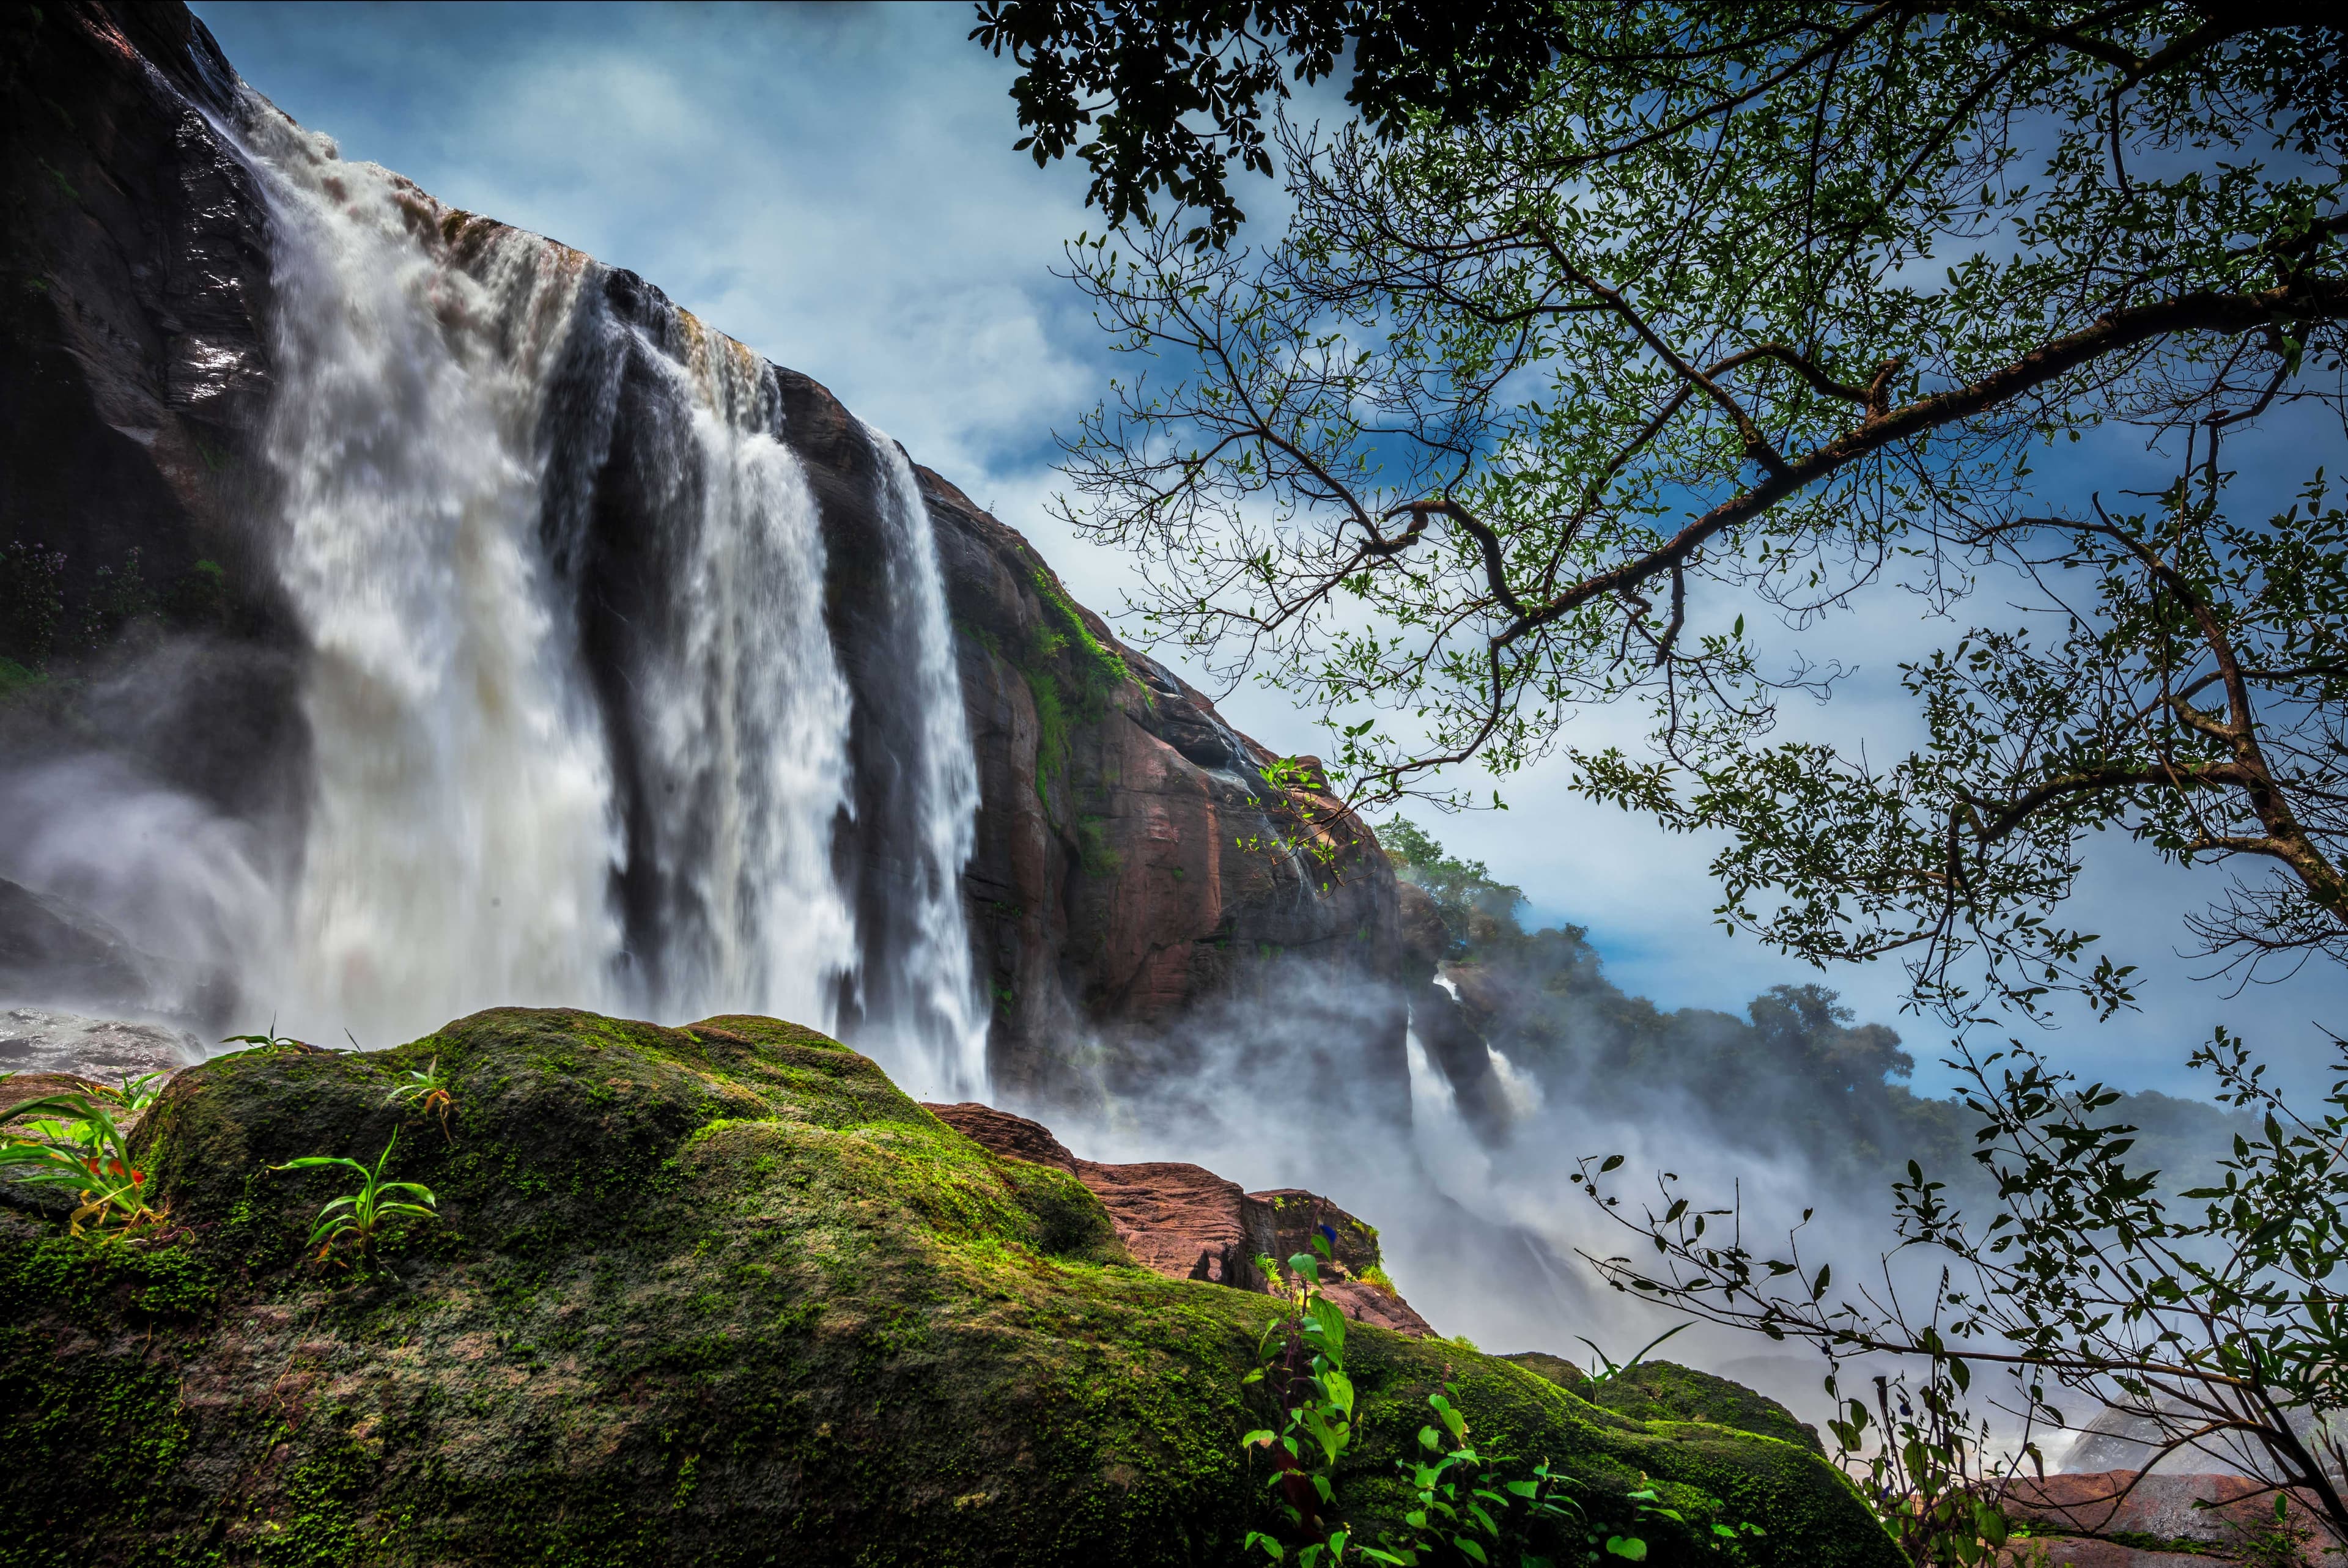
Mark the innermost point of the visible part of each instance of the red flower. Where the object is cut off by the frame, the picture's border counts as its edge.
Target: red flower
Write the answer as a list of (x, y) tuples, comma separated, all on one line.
[(138, 1178)]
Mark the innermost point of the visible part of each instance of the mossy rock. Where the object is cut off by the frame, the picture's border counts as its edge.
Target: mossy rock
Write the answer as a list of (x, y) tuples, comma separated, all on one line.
[(1664, 1391), (710, 1296)]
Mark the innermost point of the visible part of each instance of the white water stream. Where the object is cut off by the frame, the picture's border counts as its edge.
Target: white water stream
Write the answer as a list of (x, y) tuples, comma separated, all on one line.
[(943, 1015), (464, 832)]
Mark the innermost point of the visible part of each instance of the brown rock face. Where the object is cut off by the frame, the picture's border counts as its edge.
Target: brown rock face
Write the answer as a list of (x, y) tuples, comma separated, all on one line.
[(2158, 1520), (1131, 864), (1186, 1223), (1133, 869)]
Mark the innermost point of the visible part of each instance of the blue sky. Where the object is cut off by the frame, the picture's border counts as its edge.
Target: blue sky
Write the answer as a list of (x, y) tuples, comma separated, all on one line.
[(835, 186)]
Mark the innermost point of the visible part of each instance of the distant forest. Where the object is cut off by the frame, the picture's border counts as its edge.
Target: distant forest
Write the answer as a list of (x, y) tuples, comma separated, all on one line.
[(1797, 1075)]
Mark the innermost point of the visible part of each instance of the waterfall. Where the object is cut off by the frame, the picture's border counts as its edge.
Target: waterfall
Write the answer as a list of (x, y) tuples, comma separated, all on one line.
[(459, 837), (930, 997), (580, 731)]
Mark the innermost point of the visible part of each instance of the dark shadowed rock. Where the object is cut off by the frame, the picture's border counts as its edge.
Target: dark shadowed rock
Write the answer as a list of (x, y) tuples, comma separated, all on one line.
[(48, 948)]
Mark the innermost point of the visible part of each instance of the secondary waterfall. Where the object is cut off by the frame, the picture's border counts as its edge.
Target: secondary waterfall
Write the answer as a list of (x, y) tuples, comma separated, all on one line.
[(580, 729), (931, 995)]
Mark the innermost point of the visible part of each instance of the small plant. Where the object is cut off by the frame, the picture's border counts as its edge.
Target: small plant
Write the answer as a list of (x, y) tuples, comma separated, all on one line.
[(2282, 1544), (1463, 1497), (133, 1095), (358, 1218), (1605, 1370), (1928, 1478), (272, 1041), (427, 1090), (72, 1140), (1300, 1358)]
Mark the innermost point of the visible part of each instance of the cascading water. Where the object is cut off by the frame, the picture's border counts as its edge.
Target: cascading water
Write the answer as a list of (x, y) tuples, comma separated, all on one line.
[(579, 731), (930, 997), (460, 839), (705, 611)]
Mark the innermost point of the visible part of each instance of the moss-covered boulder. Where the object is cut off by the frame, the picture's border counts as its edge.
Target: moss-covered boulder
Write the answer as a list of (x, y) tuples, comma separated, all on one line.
[(708, 1296), (1665, 1392)]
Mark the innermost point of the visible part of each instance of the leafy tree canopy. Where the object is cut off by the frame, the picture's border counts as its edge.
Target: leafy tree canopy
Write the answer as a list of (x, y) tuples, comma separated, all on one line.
[(1126, 83), (1739, 310)]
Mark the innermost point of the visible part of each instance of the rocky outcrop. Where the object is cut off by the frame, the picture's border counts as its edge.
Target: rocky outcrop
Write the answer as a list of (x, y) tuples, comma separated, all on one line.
[(2122, 1519), (712, 1295), (46, 943), (1133, 866), (1184, 1222)]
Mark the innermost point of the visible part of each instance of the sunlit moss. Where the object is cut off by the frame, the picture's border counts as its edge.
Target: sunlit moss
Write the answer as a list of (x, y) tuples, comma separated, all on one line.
[(712, 1295)]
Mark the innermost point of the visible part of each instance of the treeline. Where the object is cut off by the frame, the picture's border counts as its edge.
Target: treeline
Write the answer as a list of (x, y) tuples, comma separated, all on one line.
[(1796, 1074)]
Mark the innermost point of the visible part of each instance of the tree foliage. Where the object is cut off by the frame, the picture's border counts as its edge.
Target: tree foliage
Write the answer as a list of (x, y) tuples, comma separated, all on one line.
[(1125, 83), (1742, 311), (2214, 1316)]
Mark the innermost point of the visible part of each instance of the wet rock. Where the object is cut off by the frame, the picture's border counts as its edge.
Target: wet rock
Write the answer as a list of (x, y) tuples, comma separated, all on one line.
[(1423, 938), (53, 952), (42, 1041), (48, 947)]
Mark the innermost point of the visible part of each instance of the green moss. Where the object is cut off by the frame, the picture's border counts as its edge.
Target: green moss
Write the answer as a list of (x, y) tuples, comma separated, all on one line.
[(1099, 668), (1051, 728), (714, 1295), (1071, 674), (15, 678), (1093, 850), (1663, 1391)]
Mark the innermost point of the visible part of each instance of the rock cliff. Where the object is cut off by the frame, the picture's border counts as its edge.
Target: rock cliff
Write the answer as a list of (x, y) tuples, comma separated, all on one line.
[(1127, 872)]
